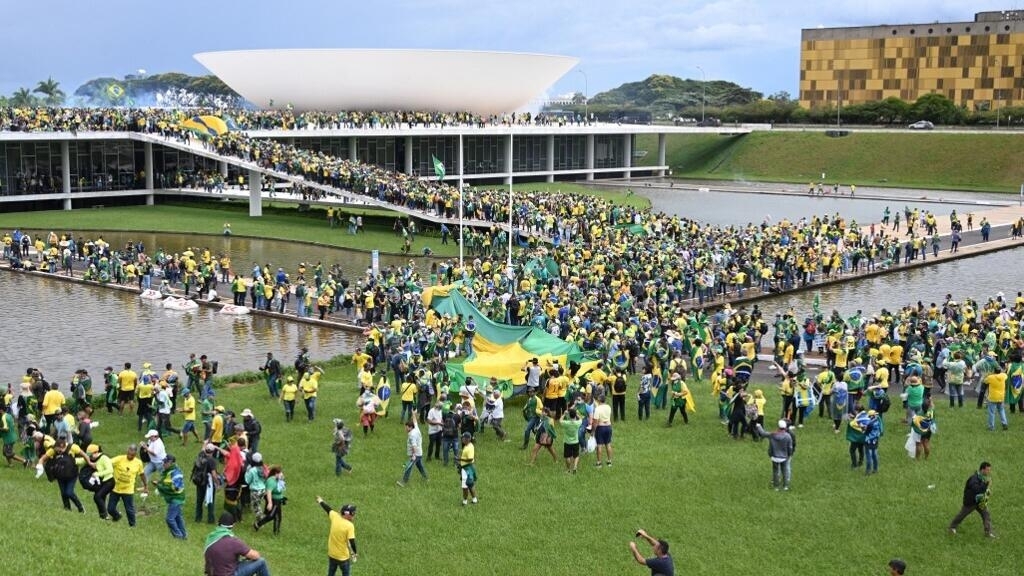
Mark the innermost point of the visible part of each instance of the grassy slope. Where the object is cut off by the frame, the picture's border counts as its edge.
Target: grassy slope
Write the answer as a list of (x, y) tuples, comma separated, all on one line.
[(984, 162), (705, 493)]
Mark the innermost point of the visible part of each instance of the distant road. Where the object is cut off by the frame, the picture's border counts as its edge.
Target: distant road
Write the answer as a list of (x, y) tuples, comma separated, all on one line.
[(900, 129)]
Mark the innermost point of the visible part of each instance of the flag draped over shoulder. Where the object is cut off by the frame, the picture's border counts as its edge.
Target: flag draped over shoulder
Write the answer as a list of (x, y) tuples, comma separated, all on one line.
[(438, 168), (1015, 382)]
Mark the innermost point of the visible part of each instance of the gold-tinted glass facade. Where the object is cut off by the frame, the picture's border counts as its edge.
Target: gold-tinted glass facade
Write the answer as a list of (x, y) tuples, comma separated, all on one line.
[(978, 65)]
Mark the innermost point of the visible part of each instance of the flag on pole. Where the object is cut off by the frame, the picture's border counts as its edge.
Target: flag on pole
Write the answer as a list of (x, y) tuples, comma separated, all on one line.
[(816, 305), (438, 168)]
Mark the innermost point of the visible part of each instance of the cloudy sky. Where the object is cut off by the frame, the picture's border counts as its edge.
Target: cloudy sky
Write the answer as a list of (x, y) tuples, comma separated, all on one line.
[(754, 43)]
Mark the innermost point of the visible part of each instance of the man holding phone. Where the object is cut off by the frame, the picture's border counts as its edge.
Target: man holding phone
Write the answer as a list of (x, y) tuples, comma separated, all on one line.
[(661, 563)]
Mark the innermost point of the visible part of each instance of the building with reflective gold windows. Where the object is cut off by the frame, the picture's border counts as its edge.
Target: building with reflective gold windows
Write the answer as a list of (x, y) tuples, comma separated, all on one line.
[(978, 65)]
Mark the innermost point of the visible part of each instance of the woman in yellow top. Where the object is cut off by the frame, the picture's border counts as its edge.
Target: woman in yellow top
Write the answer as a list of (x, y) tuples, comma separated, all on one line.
[(759, 403), (288, 393), (786, 391), (467, 468), (102, 477)]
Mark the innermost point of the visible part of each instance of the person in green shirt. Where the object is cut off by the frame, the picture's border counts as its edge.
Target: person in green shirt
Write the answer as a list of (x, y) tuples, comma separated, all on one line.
[(275, 499), (915, 396), (171, 486), (571, 423), (9, 434), (206, 410)]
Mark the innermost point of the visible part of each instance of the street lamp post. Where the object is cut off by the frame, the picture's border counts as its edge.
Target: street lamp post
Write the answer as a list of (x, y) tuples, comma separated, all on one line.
[(586, 96), (703, 92)]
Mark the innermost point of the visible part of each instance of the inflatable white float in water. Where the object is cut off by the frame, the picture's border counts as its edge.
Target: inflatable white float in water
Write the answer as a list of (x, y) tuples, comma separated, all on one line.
[(234, 310), (182, 304), (151, 295)]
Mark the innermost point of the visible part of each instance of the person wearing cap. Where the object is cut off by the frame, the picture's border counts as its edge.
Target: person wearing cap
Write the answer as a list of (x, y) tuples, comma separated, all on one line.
[(467, 468), (154, 447), (164, 409), (780, 450), (256, 482), (288, 393), (217, 426), (204, 477), (171, 485), (144, 396), (341, 540), (62, 449), (102, 476), (127, 469), (226, 555), (253, 429)]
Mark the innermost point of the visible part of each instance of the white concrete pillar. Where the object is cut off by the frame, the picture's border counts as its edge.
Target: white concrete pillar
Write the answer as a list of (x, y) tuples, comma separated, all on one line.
[(67, 203), (149, 199), (551, 158), (459, 158), (147, 165), (661, 152), (255, 194), (65, 171), (353, 154), (627, 153), (508, 159), (224, 170), (408, 154), (590, 156)]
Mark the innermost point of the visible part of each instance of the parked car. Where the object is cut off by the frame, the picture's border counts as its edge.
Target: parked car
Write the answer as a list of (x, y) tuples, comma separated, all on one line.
[(921, 125)]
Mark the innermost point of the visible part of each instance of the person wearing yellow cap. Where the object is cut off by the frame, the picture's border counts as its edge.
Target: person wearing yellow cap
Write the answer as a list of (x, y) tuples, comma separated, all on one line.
[(288, 393), (103, 474), (217, 426), (872, 433)]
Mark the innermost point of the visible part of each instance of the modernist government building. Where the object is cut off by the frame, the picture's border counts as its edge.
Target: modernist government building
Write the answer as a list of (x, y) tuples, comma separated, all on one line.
[(93, 168), (978, 65)]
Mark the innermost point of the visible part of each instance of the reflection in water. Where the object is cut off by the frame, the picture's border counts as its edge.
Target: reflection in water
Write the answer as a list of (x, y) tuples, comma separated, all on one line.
[(979, 278), (63, 326), (727, 208), (244, 251)]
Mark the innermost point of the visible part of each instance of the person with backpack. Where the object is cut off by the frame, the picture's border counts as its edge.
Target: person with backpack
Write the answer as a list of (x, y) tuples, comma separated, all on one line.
[(205, 478), (449, 434), (59, 464), (103, 475), (619, 396), (171, 485), (340, 446)]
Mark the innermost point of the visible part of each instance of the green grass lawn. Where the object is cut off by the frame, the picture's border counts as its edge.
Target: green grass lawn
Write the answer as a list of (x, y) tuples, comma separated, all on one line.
[(279, 222), (705, 493), (973, 162)]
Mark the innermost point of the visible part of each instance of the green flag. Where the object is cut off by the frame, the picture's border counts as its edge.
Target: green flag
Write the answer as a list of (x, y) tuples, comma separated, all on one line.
[(816, 304), (438, 168)]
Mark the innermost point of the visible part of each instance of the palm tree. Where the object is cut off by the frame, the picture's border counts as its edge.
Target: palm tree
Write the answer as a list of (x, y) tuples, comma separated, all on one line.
[(50, 89), (22, 98)]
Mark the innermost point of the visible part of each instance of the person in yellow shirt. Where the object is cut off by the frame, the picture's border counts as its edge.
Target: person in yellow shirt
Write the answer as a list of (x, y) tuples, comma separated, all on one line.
[(127, 380), (62, 449), (288, 393), (341, 541), (217, 426), (408, 390), (144, 394), (996, 383), (467, 468), (188, 410), (127, 469), (360, 358), (53, 401), (310, 385)]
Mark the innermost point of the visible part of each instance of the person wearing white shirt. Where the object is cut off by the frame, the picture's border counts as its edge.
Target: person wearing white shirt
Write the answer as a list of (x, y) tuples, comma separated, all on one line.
[(494, 413), (154, 446), (435, 418), (414, 449)]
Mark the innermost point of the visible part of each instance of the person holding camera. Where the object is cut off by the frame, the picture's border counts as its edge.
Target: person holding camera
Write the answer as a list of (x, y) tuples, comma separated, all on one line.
[(661, 563)]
